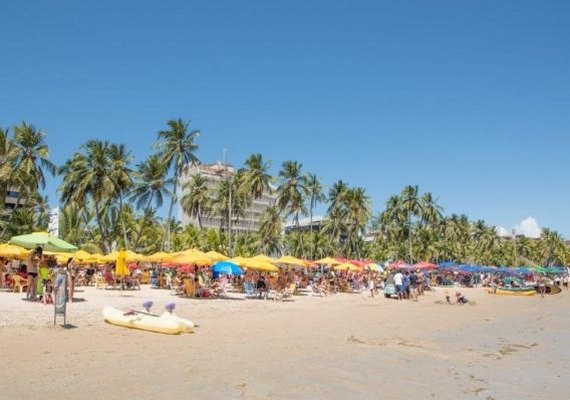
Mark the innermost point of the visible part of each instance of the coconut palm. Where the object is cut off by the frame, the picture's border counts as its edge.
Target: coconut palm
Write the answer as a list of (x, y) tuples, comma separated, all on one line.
[(292, 190), (270, 231), (257, 178), (150, 187), (177, 148), (316, 194), (358, 212), (120, 174), (87, 178), (31, 161), (197, 198)]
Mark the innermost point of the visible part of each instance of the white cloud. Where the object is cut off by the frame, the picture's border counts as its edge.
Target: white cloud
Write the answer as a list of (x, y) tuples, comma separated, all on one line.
[(528, 227), (502, 232)]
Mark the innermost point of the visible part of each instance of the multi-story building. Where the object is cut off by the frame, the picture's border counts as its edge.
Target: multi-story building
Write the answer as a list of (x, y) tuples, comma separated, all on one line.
[(12, 198), (214, 174)]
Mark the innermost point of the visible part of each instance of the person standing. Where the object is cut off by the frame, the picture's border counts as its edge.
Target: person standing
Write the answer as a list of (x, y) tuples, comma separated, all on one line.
[(541, 285), (33, 268), (398, 282)]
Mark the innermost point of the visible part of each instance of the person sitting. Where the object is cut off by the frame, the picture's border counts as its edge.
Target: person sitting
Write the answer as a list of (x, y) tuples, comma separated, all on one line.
[(460, 298), (261, 286), (47, 297)]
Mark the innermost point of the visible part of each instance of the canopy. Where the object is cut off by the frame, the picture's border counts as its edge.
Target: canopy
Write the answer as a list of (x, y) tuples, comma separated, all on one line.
[(44, 239), (226, 268), (347, 266), (290, 260), (192, 258), (328, 261)]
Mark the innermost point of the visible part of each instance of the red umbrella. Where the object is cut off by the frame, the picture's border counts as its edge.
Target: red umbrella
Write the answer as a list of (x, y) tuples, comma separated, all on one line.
[(424, 265)]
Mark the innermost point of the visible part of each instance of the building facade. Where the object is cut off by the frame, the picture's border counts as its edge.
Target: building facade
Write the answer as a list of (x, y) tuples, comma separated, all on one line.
[(214, 174)]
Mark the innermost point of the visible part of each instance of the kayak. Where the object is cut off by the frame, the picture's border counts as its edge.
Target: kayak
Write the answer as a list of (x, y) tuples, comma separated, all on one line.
[(524, 291), (185, 323), (144, 321)]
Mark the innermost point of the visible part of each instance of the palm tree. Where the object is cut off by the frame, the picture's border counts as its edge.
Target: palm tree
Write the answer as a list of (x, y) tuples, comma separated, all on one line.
[(177, 149), (270, 230), (358, 212), (196, 200), (316, 194), (257, 178), (151, 186), (120, 175), (87, 176), (411, 206), (292, 191), (32, 158), (8, 154)]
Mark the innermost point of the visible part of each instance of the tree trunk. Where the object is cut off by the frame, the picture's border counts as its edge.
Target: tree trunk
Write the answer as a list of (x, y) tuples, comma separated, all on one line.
[(123, 221), (101, 230), (166, 238)]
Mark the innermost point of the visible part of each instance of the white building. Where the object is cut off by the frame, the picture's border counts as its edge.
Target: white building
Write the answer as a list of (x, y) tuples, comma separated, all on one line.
[(214, 174)]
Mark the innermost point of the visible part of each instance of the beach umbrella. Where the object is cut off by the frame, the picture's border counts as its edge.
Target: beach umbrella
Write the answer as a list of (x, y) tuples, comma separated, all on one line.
[(11, 251), (263, 257), (197, 259), (158, 257), (347, 266), (215, 256), (374, 267), (290, 260), (328, 261), (424, 265), (226, 268), (259, 265), (121, 268), (44, 239)]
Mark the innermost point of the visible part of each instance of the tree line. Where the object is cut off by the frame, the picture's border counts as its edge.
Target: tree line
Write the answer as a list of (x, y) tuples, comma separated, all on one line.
[(109, 202)]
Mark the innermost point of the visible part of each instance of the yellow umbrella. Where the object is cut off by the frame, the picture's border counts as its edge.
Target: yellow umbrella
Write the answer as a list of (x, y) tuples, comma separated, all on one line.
[(9, 250), (81, 255), (291, 261), (328, 261), (239, 260), (192, 259), (258, 265), (215, 256), (159, 257), (263, 257), (111, 257), (347, 266), (121, 268)]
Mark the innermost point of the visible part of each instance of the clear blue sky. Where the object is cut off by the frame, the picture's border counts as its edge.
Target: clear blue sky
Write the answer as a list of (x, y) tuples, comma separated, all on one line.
[(468, 99)]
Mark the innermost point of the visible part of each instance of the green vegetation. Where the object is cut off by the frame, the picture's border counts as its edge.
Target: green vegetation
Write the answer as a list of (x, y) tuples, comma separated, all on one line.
[(109, 203)]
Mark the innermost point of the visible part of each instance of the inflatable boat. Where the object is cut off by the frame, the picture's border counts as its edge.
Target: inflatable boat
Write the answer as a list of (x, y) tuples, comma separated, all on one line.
[(523, 291)]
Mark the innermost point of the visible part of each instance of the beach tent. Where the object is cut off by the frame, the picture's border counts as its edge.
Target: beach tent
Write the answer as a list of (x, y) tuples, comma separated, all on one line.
[(44, 239)]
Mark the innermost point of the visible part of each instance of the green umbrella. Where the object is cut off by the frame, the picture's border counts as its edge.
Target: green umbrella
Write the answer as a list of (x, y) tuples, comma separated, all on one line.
[(44, 239)]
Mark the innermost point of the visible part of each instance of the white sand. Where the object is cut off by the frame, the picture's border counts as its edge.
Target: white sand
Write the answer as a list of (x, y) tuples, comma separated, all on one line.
[(339, 347)]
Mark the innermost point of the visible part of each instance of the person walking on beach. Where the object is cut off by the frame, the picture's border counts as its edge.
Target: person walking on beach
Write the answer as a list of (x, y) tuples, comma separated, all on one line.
[(33, 268), (414, 286), (541, 285), (406, 284)]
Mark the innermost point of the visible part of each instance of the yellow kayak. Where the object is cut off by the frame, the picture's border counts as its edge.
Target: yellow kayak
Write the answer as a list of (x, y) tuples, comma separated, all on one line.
[(144, 321), (525, 291)]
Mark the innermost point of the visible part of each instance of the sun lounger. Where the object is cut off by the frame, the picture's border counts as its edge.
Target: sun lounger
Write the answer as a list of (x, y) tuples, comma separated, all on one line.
[(250, 290)]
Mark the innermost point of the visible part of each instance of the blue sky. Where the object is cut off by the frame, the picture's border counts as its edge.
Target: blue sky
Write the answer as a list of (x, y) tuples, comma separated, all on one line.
[(467, 99)]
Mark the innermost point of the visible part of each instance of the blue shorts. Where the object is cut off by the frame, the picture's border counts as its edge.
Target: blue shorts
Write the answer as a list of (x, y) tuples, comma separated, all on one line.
[(399, 289)]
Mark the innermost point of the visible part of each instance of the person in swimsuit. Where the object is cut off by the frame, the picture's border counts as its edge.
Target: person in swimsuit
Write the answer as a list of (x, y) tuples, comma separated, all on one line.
[(33, 268)]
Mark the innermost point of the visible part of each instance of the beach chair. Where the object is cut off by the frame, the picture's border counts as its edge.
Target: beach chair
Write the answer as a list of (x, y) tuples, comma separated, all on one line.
[(249, 290), (317, 291), (19, 284), (289, 291), (221, 290)]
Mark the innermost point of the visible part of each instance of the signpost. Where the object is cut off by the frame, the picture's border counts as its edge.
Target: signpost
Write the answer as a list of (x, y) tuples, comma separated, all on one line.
[(60, 297)]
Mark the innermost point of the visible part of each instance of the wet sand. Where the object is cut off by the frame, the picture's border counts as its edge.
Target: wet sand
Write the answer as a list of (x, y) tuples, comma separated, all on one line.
[(339, 347)]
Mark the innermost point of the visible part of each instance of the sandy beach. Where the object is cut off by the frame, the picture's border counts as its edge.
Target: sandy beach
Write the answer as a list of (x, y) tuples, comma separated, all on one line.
[(339, 347)]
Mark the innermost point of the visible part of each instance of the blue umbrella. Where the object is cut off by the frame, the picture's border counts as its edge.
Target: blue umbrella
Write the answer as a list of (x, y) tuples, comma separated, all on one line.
[(226, 268)]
